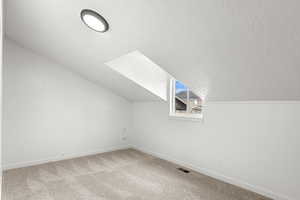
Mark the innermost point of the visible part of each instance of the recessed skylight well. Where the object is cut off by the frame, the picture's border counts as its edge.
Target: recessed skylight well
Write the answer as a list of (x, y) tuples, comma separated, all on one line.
[(94, 20), (140, 69)]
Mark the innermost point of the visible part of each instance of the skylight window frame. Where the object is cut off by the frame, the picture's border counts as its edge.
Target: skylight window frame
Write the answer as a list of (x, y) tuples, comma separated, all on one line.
[(172, 110)]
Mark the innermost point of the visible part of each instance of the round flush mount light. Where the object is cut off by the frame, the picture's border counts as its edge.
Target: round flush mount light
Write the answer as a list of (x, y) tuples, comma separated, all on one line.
[(94, 20)]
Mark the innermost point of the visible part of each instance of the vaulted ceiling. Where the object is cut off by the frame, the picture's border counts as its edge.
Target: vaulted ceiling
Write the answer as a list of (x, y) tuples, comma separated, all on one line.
[(235, 50)]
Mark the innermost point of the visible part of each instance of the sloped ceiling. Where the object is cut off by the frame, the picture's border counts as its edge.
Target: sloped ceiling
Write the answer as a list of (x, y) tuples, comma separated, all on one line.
[(235, 50)]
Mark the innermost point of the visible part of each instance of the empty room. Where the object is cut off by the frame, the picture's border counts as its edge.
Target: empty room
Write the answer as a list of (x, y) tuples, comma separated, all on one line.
[(150, 100)]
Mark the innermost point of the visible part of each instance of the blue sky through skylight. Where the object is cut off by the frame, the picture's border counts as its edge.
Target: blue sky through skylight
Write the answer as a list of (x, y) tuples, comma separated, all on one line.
[(180, 87)]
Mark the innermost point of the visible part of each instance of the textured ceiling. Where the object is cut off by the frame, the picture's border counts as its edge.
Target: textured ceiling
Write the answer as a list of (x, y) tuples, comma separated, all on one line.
[(233, 50)]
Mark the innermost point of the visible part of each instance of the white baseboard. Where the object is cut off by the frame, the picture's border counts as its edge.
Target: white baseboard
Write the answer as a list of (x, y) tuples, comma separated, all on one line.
[(217, 175), (63, 157)]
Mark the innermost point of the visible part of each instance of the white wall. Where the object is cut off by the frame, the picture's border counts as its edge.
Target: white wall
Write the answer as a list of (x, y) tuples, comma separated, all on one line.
[(51, 113), (1, 56), (255, 145)]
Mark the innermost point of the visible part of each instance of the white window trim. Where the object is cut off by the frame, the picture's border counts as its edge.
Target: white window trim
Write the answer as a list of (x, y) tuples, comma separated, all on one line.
[(183, 116)]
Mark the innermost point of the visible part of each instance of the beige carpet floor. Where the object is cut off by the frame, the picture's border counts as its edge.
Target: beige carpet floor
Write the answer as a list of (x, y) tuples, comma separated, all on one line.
[(124, 174)]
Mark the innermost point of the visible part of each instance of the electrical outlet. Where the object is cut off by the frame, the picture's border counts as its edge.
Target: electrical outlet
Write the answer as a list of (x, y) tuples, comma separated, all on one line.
[(124, 134)]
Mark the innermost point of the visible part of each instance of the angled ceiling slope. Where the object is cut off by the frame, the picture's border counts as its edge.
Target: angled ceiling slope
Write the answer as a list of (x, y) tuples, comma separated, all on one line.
[(237, 50)]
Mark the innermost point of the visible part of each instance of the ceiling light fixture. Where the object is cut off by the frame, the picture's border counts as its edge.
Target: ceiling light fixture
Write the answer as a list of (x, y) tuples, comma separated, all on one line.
[(94, 20)]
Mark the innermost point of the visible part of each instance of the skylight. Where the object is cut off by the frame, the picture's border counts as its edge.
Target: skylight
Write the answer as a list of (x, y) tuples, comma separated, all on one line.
[(184, 102), (144, 72)]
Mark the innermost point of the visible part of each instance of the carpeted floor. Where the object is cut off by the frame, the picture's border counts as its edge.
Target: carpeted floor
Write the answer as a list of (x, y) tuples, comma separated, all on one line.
[(124, 174)]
